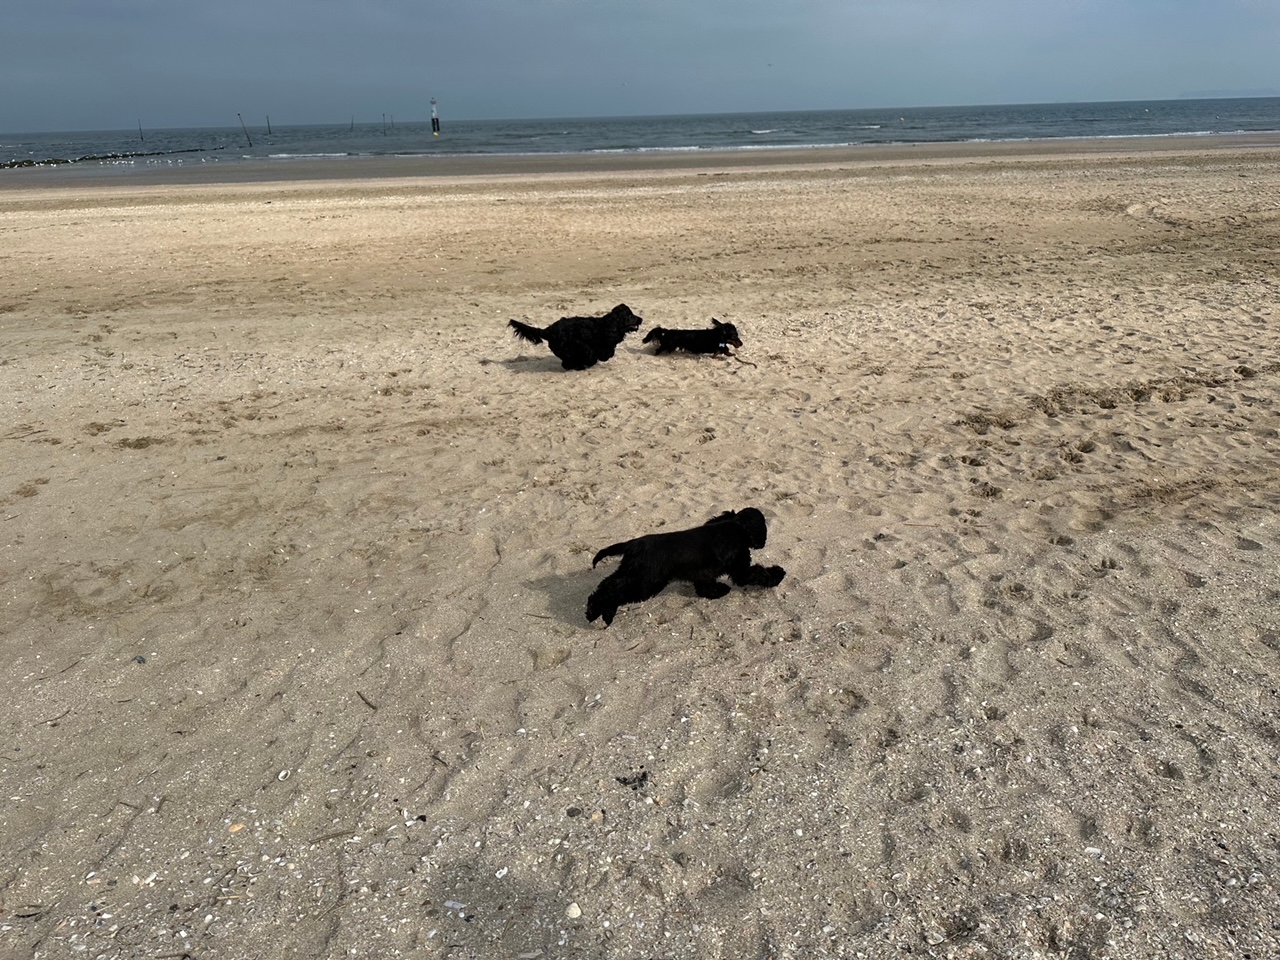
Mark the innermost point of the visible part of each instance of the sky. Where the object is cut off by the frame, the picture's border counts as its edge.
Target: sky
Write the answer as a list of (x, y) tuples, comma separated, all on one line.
[(112, 64)]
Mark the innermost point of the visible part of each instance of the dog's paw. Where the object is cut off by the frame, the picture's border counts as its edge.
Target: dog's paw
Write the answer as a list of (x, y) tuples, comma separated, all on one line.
[(710, 589), (773, 576), (596, 611)]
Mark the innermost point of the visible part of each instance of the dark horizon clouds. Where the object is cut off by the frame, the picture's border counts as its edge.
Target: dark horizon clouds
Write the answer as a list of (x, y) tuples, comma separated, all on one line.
[(108, 64)]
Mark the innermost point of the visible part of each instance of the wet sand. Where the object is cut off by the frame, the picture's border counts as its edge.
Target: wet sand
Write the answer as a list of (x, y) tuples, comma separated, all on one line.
[(177, 171)]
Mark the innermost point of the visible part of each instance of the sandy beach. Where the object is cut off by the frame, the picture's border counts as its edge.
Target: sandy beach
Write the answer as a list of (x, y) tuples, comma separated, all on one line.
[(297, 538)]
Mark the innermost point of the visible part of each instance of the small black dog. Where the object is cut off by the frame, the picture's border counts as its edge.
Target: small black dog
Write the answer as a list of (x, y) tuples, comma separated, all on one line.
[(582, 342), (718, 339), (702, 555)]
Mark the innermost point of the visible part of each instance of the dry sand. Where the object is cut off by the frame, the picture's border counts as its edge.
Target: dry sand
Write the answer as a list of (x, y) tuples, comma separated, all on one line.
[(296, 541)]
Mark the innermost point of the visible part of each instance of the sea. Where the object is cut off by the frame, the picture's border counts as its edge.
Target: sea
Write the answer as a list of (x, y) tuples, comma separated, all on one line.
[(144, 148)]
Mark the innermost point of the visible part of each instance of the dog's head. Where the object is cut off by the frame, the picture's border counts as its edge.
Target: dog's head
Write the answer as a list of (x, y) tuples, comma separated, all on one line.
[(728, 333), (750, 521), (626, 320)]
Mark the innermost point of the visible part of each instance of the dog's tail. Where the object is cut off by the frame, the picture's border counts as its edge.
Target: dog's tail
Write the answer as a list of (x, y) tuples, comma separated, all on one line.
[(526, 332), (613, 550)]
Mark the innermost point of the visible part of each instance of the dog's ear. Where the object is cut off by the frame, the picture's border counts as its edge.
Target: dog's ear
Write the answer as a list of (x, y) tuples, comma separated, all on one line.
[(725, 517), (716, 323), (752, 521)]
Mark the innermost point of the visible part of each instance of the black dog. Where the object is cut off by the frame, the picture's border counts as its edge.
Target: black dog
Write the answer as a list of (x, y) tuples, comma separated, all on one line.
[(718, 339), (702, 555), (582, 342)]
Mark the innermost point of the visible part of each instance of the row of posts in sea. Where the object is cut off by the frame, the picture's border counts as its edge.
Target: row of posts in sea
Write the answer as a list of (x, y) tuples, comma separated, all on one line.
[(435, 124), (142, 138)]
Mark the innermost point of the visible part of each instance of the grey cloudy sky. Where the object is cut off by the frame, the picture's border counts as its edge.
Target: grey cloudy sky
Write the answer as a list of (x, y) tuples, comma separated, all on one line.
[(106, 64)]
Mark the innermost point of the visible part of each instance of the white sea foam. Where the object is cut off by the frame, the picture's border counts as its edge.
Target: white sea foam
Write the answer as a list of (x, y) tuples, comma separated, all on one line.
[(306, 156)]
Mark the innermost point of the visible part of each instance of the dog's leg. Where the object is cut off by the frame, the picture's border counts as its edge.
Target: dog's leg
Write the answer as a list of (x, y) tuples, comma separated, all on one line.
[(598, 607), (621, 587), (754, 575), (604, 600), (771, 576), (710, 589), (576, 359)]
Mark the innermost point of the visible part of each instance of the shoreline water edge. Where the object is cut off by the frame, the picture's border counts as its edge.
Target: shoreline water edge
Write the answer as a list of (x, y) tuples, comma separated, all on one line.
[(516, 165), (475, 143)]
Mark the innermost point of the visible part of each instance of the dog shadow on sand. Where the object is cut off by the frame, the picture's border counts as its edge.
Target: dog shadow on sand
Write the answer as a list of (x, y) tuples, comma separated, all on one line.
[(567, 595), (527, 364)]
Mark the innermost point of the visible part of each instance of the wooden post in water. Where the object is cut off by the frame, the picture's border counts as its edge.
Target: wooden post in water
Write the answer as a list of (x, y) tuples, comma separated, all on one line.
[(245, 129)]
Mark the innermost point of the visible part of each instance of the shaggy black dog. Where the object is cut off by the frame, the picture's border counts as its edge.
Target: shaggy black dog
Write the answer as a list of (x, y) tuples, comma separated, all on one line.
[(718, 339), (582, 342), (702, 555)]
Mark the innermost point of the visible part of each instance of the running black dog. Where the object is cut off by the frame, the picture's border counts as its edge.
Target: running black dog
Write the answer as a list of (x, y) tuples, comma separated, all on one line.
[(718, 339), (582, 342), (702, 555)]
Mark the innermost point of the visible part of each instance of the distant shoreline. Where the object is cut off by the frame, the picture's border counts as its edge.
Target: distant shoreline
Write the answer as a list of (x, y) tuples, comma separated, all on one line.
[(359, 168)]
